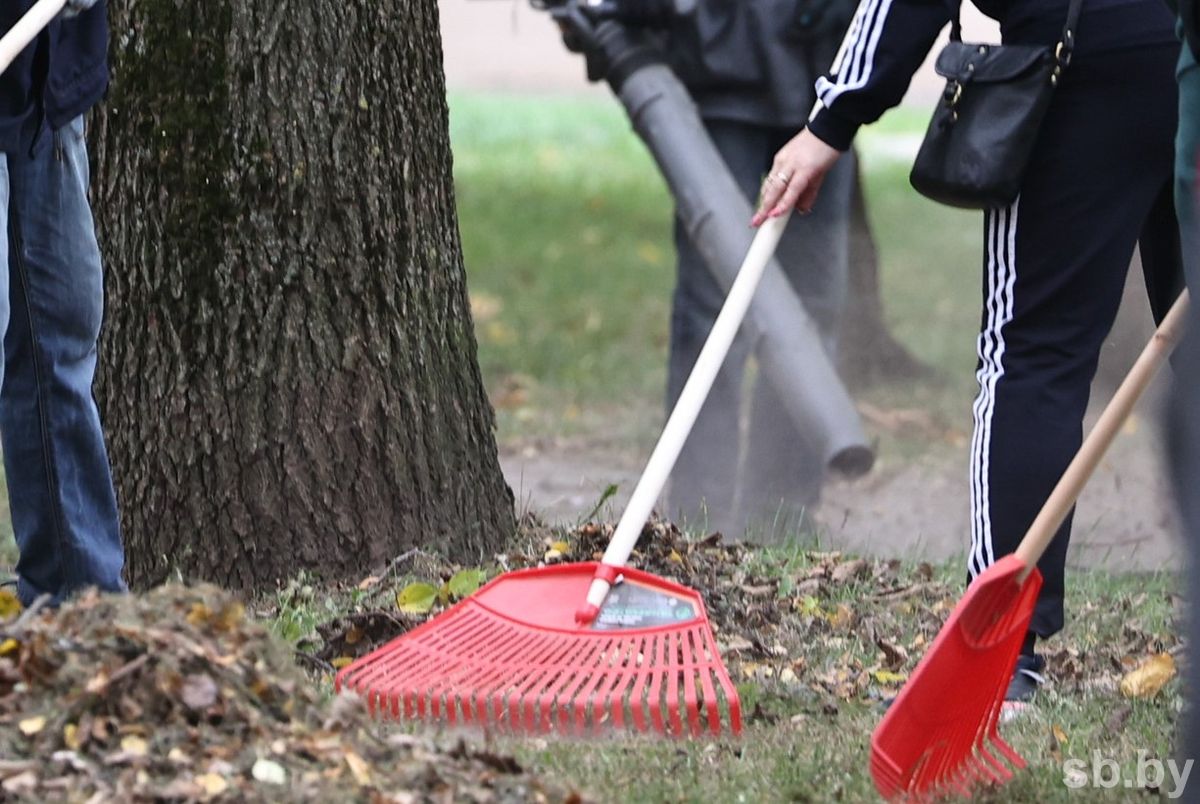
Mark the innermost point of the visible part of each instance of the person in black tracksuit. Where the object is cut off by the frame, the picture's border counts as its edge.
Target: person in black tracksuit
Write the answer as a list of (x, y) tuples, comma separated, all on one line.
[(750, 66), (1099, 183)]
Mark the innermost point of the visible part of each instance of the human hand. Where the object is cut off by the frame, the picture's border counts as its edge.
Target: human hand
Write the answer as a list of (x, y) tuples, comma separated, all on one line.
[(74, 7), (795, 177)]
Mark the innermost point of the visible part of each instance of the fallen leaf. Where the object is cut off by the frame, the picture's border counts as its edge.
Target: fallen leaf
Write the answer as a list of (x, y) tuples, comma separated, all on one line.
[(269, 772), (359, 767), (562, 547), (1149, 677), (416, 598), (849, 571), (199, 691), (71, 737), (32, 725), (212, 784), (1059, 734), (894, 656), (368, 582), (841, 617), (674, 557), (467, 582), (1116, 721), (9, 646), (135, 746), (22, 783), (342, 661), (888, 677), (10, 605)]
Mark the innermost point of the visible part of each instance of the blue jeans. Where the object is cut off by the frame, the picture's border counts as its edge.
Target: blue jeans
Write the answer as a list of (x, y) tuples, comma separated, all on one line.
[(713, 486), (60, 489)]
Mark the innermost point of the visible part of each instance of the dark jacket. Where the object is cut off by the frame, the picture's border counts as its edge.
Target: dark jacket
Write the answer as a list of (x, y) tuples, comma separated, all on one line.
[(1189, 22), (755, 61), (889, 39), (58, 77)]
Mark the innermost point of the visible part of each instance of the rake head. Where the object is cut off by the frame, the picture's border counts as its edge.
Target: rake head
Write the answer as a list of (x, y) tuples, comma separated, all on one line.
[(511, 658), (940, 736)]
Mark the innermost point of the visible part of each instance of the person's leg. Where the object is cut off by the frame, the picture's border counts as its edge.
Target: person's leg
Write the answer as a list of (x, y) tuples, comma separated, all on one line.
[(701, 491), (1055, 264), (60, 484), (783, 469), (1184, 417)]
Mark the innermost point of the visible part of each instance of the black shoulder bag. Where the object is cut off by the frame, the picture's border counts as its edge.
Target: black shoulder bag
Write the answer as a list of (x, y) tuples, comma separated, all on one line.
[(983, 130)]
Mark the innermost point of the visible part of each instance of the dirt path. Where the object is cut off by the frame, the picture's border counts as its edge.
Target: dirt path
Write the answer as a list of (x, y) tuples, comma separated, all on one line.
[(910, 508)]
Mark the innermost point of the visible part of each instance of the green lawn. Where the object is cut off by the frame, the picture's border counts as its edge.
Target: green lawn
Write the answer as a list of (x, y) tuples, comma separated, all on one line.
[(566, 228)]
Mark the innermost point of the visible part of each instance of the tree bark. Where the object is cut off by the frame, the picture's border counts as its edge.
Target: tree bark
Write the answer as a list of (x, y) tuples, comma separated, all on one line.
[(867, 351), (288, 373)]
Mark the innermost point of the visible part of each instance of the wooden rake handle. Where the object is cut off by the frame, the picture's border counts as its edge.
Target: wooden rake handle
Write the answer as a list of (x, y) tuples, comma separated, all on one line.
[(683, 417), (1042, 531), (27, 29)]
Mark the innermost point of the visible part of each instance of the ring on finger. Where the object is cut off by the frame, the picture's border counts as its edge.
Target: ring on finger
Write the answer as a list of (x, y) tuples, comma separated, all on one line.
[(782, 178)]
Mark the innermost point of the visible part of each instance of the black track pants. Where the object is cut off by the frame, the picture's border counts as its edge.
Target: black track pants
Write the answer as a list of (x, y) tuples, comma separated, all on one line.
[(1054, 269)]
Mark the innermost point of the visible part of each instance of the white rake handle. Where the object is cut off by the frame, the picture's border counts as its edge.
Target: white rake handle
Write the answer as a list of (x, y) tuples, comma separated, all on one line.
[(683, 417), (27, 29)]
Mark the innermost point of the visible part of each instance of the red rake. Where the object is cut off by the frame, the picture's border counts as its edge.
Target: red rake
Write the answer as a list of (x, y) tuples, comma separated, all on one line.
[(580, 648), (941, 734)]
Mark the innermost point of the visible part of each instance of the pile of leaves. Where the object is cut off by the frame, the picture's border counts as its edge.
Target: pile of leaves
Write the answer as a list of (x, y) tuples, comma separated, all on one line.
[(178, 696)]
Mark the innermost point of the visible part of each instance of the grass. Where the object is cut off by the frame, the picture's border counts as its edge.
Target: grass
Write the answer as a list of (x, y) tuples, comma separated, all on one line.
[(566, 228), (804, 742)]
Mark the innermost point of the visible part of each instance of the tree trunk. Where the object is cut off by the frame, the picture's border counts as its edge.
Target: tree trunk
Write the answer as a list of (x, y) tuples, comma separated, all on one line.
[(288, 374), (867, 351)]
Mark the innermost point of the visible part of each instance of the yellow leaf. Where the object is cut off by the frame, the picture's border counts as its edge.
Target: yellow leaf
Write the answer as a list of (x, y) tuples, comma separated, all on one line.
[(135, 745), (359, 767), (199, 614), (1148, 677), (10, 606), (232, 615), (342, 661), (888, 677), (551, 556), (562, 547), (71, 737), (9, 646), (1059, 734), (213, 784), (416, 598), (807, 605), (841, 617), (32, 725), (675, 558)]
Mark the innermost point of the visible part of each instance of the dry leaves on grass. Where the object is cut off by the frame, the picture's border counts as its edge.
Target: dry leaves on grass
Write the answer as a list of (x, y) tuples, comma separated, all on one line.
[(177, 696)]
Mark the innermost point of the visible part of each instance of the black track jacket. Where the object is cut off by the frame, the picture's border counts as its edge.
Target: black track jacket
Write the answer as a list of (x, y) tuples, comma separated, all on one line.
[(889, 39)]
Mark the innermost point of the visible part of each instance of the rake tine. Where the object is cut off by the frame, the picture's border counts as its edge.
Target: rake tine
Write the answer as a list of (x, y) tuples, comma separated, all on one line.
[(655, 699), (516, 652), (562, 689), (615, 696), (706, 685), (428, 682), (673, 671), (586, 692), (691, 703), (557, 676), (637, 703)]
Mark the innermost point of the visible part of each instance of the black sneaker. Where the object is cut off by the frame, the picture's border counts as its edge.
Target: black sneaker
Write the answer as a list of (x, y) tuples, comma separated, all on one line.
[(1027, 678)]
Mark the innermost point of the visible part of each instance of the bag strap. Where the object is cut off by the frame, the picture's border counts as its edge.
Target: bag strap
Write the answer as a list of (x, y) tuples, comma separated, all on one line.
[(1066, 45), (1062, 51)]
